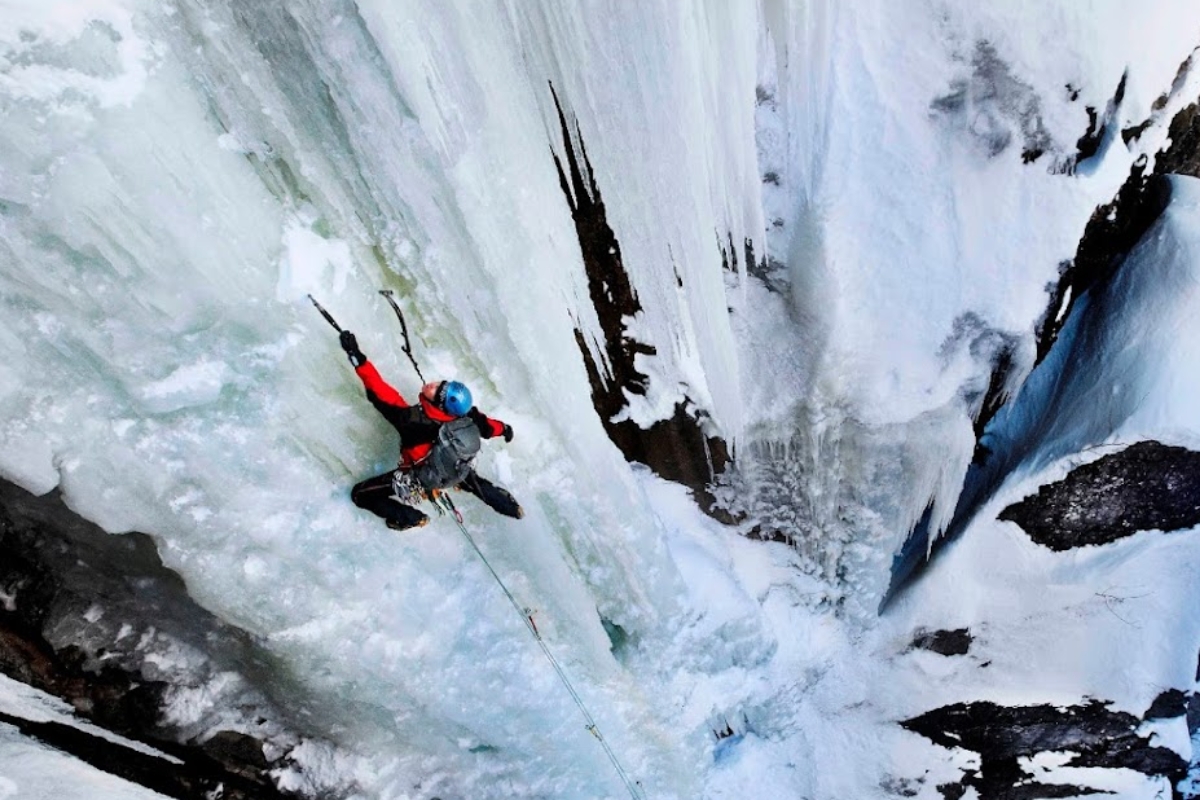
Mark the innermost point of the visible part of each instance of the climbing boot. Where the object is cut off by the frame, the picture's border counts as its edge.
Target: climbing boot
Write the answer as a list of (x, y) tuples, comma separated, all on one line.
[(397, 525)]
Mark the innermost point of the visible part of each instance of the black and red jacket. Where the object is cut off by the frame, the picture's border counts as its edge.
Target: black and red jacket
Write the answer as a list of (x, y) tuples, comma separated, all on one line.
[(417, 424)]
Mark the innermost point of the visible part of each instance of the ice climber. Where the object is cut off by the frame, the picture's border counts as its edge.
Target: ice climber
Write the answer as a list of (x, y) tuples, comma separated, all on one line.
[(439, 437)]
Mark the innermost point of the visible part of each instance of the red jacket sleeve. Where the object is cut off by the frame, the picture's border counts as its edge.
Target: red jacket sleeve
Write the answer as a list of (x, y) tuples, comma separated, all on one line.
[(378, 386), (488, 427)]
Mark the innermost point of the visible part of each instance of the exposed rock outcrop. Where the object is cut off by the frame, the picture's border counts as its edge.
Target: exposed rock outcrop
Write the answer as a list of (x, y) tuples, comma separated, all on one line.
[(947, 643), (1116, 227), (1146, 486), (81, 609), (1088, 735)]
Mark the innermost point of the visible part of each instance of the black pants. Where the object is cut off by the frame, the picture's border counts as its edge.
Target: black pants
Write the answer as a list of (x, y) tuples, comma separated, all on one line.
[(375, 495)]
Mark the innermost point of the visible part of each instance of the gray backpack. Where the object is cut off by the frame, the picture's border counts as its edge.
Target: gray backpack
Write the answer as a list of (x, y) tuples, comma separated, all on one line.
[(449, 461)]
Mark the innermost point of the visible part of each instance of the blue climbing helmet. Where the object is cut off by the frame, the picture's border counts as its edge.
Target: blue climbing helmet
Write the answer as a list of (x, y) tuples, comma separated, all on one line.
[(450, 396)]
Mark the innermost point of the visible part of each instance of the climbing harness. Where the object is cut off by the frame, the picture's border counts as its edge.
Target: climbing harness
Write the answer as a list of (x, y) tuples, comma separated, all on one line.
[(405, 489), (444, 504)]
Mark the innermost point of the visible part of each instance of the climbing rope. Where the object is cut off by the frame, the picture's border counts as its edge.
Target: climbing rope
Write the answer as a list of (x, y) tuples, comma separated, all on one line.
[(443, 501)]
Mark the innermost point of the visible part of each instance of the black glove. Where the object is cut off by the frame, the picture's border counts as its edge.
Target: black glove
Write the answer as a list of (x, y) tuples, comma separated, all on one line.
[(507, 433), (350, 345)]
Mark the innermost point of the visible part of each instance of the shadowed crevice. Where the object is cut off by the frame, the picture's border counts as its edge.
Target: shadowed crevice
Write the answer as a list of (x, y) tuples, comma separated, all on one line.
[(676, 448)]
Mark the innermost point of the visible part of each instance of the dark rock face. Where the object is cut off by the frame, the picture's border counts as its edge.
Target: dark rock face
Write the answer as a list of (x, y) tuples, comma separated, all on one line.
[(677, 448), (972, 333), (994, 398), (1099, 125), (947, 643), (1111, 234), (1146, 486), (1095, 735), (77, 603), (1169, 704), (1117, 227)]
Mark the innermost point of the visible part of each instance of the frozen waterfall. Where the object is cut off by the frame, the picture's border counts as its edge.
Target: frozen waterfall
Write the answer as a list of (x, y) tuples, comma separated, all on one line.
[(836, 221)]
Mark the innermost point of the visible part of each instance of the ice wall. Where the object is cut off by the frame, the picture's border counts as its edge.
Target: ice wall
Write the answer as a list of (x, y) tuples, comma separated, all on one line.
[(176, 177)]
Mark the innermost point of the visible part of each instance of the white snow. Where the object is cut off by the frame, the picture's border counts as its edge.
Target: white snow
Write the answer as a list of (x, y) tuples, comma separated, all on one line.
[(175, 180), (26, 703), (93, 33), (310, 262), (31, 771), (187, 386)]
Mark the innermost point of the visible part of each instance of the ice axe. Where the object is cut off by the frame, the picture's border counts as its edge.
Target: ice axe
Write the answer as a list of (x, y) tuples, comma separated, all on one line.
[(407, 348), (328, 317)]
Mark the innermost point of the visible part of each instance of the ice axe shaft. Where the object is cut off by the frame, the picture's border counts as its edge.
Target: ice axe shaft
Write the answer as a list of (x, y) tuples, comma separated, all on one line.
[(407, 348), (328, 317)]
